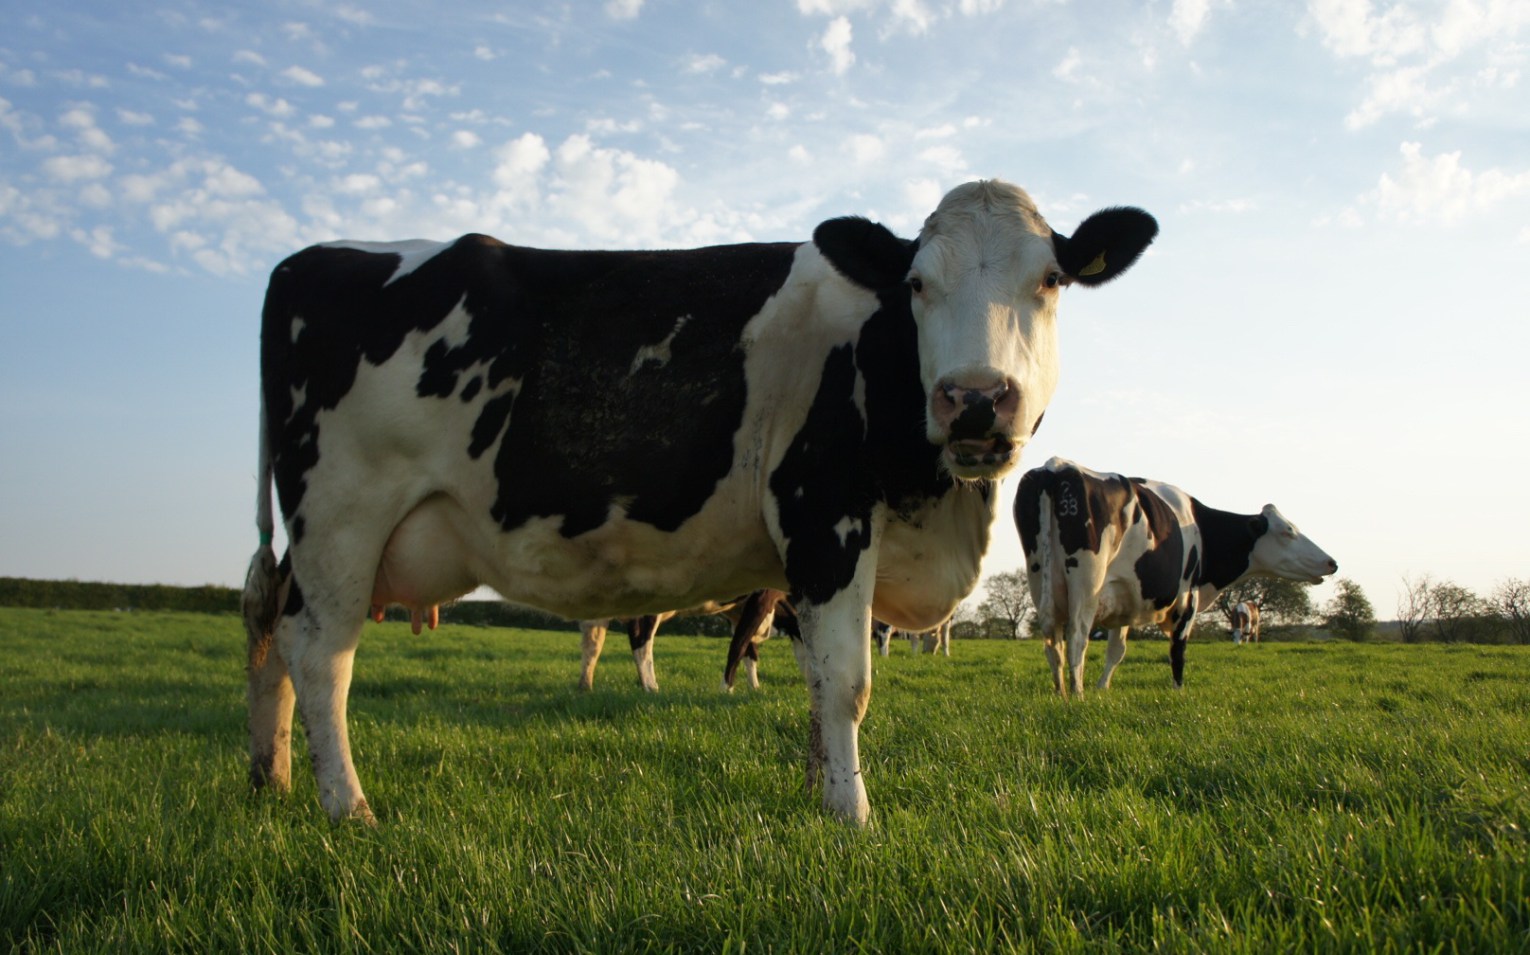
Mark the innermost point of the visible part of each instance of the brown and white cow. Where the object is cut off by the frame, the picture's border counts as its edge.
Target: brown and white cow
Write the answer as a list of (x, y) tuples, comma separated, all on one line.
[(1245, 622), (1115, 552), (611, 434)]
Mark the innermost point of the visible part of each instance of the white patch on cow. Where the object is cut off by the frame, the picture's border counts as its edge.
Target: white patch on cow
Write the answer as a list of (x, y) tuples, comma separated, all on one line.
[(297, 328), (299, 397), (983, 259), (412, 253), (457, 325), (846, 527), (658, 354)]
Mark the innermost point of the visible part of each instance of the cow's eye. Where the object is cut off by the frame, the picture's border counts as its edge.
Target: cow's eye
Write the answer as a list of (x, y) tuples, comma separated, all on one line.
[(1053, 279), (916, 283)]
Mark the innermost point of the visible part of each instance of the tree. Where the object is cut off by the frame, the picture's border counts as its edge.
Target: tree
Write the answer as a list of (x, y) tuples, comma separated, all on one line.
[(1457, 612), (1279, 601), (1413, 608), (1349, 614), (1511, 602), (1009, 600)]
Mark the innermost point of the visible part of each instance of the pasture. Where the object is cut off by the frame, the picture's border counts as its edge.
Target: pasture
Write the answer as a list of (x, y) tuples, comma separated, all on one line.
[(1295, 797)]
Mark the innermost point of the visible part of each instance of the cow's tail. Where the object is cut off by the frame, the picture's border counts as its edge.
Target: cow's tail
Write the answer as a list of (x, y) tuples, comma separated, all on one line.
[(262, 581)]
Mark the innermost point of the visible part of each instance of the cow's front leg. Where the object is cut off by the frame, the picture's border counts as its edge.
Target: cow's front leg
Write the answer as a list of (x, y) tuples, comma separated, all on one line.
[(837, 639), (1078, 647), (1177, 641), (815, 755)]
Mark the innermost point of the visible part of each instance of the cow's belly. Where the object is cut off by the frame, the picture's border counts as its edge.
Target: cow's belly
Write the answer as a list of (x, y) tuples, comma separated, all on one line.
[(439, 552)]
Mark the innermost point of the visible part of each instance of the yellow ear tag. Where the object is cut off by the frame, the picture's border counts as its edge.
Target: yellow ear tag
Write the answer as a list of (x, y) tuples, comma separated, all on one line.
[(1095, 267)]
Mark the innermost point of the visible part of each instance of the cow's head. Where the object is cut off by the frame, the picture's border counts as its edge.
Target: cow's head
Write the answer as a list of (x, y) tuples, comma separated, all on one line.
[(983, 280), (1280, 550)]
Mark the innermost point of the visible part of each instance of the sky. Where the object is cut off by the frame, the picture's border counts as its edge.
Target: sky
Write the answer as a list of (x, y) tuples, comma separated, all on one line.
[(1335, 317)]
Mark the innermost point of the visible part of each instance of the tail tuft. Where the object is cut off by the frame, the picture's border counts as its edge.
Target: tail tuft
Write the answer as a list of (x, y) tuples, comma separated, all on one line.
[(261, 585)]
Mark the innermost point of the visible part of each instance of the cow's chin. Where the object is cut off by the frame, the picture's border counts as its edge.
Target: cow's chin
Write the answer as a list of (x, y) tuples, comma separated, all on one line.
[(974, 459)]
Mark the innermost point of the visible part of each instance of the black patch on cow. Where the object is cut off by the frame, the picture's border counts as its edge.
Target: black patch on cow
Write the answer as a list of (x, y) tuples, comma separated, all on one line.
[(1037, 426), (1229, 540), (905, 463), (1192, 564), (1105, 244), (1158, 570), (865, 252), (823, 480), (976, 419), (587, 429), (641, 630), (1082, 506), (1071, 562), (470, 390)]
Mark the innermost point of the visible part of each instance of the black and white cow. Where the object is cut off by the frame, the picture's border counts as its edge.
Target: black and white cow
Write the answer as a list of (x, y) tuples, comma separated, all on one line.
[(609, 434), (1111, 551), (750, 615)]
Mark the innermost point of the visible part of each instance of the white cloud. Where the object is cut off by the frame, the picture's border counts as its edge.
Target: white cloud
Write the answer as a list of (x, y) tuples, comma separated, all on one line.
[(271, 107), (1188, 17), (250, 57), (778, 111), (778, 79), (973, 8), (1217, 206), (130, 117), (866, 148), (302, 77), (1068, 66), (75, 168), (831, 8), (354, 15), (177, 60), (704, 63), (623, 9), (483, 52), (947, 159), (836, 42), (1439, 189), (321, 122), (373, 122), (465, 139), (912, 15), (98, 240), (799, 154)]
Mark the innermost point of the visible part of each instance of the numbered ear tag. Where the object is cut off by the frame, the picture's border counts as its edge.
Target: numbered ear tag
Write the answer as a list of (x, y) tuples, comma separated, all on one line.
[(1095, 267)]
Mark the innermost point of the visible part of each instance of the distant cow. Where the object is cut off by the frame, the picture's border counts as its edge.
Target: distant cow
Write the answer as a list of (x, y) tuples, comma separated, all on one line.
[(641, 631), (1245, 623), (937, 640), (1112, 551), (611, 434)]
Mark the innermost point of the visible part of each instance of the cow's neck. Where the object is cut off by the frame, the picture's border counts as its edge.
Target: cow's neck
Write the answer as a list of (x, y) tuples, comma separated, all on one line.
[(1227, 544)]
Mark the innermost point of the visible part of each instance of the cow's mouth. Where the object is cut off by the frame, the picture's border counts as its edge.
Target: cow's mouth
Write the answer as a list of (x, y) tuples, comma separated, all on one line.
[(980, 457)]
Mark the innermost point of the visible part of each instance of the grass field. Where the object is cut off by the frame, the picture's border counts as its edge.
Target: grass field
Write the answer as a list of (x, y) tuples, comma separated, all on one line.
[(1295, 797)]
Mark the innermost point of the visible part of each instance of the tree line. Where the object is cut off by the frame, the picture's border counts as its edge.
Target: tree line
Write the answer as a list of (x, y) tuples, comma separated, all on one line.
[(1428, 611)]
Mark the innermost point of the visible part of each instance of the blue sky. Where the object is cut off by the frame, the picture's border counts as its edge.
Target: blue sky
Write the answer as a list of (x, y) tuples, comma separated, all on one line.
[(1335, 317)]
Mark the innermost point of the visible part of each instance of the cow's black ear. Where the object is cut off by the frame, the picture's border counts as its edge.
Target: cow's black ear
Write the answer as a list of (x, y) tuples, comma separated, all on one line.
[(1258, 526), (1105, 244), (864, 252)]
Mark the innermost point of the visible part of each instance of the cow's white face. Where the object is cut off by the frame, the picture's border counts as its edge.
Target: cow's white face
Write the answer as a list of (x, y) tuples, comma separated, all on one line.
[(984, 288), (1284, 551), (983, 282)]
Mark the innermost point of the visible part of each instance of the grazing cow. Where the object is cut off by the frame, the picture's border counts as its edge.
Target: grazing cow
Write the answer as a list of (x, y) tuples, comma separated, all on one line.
[(640, 633), (883, 634), (937, 640), (1245, 623), (1112, 551), (611, 434)]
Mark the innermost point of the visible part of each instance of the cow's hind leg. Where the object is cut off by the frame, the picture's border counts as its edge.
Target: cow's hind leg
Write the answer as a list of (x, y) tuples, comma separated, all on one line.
[(640, 633), (1055, 664), (1177, 642), (1114, 651), (319, 646), (815, 753), (270, 698), (592, 638)]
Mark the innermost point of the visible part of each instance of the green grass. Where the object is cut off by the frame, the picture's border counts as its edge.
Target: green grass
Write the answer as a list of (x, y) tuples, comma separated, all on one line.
[(1295, 797)]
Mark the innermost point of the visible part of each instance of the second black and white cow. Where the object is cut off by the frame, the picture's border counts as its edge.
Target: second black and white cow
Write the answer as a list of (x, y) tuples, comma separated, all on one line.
[(609, 434), (1245, 622), (1115, 552)]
